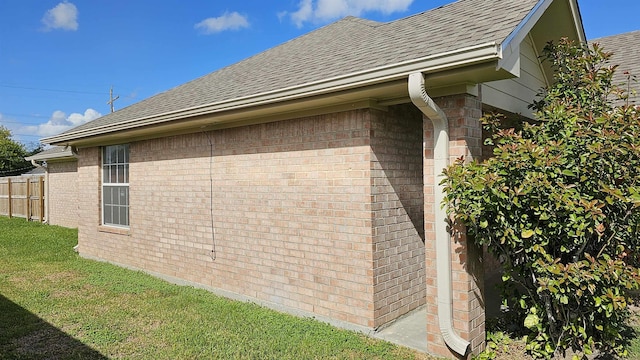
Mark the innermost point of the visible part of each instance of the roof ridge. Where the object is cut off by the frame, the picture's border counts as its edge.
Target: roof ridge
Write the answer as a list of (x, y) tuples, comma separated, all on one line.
[(424, 12)]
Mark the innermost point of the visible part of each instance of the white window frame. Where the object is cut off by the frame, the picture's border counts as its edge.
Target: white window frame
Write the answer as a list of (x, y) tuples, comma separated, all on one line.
[(115, 186)]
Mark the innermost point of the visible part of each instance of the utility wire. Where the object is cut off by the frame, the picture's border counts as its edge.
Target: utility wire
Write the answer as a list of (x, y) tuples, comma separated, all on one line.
[(53, 90), (5, 172), (22, 122), (214, 253)]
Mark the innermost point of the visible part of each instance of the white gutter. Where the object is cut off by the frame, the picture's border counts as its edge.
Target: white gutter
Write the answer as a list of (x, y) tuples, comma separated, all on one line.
[(421, 99), (457, 58), (34, 163)]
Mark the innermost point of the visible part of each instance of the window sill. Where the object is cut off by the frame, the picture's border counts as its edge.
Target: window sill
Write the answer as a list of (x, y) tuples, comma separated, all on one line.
[(114, 230)]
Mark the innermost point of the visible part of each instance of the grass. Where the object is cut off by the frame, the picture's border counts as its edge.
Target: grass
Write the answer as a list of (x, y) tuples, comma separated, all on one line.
[(54, 304)]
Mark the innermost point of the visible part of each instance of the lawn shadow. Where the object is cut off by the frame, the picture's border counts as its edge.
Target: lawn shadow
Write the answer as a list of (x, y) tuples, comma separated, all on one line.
[(24, 335)]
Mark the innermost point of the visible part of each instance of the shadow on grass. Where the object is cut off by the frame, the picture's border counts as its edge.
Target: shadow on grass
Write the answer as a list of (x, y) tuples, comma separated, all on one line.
[(24, 335)]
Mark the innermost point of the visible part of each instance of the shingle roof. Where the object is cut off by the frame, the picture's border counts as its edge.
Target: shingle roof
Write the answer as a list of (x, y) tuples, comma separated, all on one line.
[(626, 53), (54, 152), (344, 47), (36, 171)]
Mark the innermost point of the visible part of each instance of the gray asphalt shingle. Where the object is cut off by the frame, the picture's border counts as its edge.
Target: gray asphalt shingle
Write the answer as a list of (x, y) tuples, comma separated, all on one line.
[(344, 47), (626, 54), (52, 153)]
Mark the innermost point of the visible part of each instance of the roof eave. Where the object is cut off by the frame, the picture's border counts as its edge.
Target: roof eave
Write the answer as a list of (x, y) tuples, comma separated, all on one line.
[(481, 53), (530, 26), (65, 155), (577, 18)]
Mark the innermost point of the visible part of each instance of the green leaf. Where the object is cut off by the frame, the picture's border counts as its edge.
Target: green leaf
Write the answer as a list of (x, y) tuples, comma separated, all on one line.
[(531, 321), (562, 185), (527, 233)]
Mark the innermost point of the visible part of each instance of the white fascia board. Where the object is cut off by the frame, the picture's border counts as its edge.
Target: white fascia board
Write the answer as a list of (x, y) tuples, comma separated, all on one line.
[(510, 47), (458, 58), (62, 155), (577, 19)]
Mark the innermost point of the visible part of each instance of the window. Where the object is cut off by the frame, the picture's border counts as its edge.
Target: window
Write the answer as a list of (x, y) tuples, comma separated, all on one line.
[(115, 185)]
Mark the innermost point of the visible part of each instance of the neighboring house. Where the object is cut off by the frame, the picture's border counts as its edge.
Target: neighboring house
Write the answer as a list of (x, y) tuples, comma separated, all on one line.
[(35, 171), (305, 177), (61, 180), (626, 53)]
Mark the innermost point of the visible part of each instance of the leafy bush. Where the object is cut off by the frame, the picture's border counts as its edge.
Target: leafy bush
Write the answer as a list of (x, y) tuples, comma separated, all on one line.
[(559, 205)]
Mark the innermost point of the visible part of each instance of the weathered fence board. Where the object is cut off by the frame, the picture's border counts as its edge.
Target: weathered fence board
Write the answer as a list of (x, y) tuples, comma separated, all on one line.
[(22, 196)]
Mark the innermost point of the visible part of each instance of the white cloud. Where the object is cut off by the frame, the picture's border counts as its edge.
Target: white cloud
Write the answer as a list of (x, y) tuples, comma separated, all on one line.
[(59, 122), (63, 16), (326, 10), (304, 13), (228, 21)]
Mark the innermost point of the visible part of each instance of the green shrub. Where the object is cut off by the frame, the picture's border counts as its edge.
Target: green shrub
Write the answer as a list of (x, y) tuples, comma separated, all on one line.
[(559, 205)]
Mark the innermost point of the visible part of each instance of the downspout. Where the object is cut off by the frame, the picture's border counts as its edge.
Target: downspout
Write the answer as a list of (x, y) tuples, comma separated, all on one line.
[(46, 188), (421, 99)]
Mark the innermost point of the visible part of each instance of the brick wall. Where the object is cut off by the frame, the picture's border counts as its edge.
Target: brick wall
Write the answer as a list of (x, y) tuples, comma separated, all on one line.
[(465, 135), (296, 219), (89, 205), (398, 228), (63, 193)]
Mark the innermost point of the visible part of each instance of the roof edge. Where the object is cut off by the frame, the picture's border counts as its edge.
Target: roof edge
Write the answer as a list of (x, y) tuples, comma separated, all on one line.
[(444, 61), (511, 44), (64, 154), (577, 18)]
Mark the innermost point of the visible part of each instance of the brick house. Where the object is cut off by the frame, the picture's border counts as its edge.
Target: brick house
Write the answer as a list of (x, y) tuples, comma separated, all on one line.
[(305, 177), (61, 193)]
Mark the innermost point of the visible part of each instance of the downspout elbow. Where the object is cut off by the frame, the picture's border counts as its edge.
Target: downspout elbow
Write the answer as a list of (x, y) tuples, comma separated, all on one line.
[(421, 99), (35, 163)]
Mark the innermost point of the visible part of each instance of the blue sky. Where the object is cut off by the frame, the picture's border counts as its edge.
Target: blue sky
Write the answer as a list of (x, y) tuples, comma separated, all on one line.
[(58, 59)]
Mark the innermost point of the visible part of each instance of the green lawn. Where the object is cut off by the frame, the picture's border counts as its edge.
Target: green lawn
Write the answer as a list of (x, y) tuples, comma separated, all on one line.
[(54, 304)]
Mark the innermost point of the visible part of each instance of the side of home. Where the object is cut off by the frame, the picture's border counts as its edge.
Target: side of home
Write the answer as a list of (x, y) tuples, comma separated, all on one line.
[(306, 178), (61, 185)]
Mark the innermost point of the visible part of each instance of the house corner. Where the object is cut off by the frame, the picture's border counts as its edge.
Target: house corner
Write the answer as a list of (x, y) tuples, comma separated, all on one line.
[(467, 274)]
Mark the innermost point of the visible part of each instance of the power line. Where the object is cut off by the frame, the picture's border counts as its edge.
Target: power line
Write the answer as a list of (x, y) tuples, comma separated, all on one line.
[(27, 135), (3, 121), (52, 90), (22, 115)]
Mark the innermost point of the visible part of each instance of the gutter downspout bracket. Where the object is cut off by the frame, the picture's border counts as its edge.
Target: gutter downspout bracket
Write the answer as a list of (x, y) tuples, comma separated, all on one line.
[(421, 99)]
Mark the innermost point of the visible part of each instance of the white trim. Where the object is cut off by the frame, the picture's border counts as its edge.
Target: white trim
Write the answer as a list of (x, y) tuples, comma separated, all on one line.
[(577, 20), (104, 185), (511, 45)]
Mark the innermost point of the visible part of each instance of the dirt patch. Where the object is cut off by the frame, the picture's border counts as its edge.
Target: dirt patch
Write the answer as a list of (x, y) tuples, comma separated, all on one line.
[(62, 276), (515, 350)]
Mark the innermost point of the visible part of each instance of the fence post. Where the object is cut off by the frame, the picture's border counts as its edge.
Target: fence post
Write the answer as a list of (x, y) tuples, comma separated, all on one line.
[(41, 197), (28, 209), (10, 201)]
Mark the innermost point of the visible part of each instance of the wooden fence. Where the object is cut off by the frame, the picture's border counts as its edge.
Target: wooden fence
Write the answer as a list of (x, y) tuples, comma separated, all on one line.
[(22, 196)]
